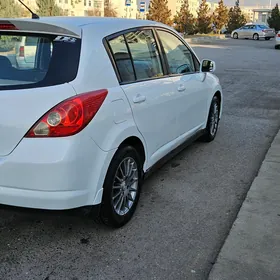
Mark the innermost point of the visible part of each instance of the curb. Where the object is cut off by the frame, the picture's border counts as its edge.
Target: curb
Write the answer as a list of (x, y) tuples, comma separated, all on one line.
[(252, 248), (205, 39)]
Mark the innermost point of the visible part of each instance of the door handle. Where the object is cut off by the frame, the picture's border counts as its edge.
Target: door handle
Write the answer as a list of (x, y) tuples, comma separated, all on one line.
[(139, 98), (181, 88)]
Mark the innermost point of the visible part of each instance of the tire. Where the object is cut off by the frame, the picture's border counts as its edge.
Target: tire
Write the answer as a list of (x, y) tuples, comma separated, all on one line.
[(256, 37), (123, 190), (214, 116), (267, 39), (277, 47), (235, 35)]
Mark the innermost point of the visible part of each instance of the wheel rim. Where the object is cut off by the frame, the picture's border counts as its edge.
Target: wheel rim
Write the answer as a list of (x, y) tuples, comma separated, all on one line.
[(235, 35), (214, 119), (125, 186), (256, 37)]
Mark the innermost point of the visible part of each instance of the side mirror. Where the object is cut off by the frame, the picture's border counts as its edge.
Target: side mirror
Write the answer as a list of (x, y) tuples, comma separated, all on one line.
[(207, 66)]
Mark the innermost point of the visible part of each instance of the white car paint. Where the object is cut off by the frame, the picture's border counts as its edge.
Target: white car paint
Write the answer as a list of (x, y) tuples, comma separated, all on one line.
[(69, 172), (277, 40)]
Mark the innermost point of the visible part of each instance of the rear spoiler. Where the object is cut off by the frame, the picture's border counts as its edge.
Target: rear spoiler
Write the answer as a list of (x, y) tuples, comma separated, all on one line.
[(37, 26)]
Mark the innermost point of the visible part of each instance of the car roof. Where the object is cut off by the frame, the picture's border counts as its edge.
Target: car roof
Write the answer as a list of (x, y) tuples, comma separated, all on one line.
[(105, 25)]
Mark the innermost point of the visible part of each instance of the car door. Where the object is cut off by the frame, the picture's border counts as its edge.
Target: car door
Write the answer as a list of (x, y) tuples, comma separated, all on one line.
[(189, 83), (251, 31), (149, 90), (243, 31)]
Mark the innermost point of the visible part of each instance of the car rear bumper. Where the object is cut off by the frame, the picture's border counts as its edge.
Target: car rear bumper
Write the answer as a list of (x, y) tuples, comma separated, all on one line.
[(266, 36), (54, 174)]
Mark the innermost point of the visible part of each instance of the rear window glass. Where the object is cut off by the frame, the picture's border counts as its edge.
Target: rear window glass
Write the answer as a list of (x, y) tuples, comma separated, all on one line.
[(263, 26), (28, 60)]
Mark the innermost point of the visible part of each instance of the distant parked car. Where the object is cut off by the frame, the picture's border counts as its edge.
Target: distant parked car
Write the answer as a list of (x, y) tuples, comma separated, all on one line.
[(26, 51), (277, 41), (253, 31)]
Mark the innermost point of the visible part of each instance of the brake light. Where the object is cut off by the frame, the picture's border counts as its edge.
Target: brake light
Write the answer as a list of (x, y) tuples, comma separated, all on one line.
[(264, 30), (8, 26), (21, 51), (70, 116), (278, 35)]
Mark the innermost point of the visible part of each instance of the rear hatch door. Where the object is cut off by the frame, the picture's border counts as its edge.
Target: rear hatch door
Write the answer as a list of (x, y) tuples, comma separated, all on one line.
[(27, 94)]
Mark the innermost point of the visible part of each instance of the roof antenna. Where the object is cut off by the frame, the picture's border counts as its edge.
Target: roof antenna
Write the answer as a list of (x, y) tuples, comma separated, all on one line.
[(34, 16)]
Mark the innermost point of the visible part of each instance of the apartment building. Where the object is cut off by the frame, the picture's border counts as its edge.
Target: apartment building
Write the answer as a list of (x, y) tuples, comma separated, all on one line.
[(94, 7), (175, 6)]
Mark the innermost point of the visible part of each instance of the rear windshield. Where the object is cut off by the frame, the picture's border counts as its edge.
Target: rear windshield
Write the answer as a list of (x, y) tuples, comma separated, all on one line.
[(30, 60)]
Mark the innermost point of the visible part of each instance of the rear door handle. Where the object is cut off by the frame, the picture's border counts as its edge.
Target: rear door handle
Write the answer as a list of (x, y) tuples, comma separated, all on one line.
[(139, 98), (181, 88)]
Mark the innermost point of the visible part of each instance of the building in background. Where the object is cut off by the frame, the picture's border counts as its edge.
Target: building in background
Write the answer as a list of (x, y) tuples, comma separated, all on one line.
[(94, 8), (175, 6)]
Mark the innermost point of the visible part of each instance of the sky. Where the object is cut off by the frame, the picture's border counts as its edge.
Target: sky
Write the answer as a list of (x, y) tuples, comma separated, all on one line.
[(251, 2)]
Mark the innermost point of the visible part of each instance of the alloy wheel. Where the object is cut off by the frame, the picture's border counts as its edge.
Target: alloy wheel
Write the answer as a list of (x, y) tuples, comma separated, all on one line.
[(214, 120), (125, 186)]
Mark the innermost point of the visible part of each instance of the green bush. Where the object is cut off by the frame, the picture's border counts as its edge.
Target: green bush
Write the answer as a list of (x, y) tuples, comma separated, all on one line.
[(6, 43)]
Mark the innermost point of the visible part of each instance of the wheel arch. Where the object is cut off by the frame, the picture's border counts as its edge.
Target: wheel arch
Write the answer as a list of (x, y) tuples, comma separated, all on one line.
[(137, 144)]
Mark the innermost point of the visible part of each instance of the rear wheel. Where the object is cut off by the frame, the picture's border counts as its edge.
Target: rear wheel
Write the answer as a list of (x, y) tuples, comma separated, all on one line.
[(276, 47), (121, 188), (213, 121), (235, 36), (256, 37)]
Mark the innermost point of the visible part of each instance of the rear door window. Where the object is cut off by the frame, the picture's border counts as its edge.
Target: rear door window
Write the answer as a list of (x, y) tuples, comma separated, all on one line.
[(145, 54), (28, 61)]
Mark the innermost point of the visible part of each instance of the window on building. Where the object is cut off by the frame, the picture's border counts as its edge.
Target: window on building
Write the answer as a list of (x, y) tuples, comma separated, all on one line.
[(89, 3), (66, 1), (85, 2)]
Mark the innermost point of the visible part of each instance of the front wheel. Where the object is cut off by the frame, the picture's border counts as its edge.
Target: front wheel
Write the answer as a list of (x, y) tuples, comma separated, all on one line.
[(235, 36), (121, 188), (213, 121), (277, 47)]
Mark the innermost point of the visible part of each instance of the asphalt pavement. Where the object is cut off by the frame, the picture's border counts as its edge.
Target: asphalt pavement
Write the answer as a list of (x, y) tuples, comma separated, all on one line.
[(187, 207)]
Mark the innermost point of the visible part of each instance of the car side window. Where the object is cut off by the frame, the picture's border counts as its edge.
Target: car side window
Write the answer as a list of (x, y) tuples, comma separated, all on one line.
[(145, 54), (178, 56), (252, 27), (122, 59)]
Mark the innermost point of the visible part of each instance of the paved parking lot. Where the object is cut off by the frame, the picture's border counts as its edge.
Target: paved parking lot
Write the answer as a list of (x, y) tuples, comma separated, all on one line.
[(186, 208)]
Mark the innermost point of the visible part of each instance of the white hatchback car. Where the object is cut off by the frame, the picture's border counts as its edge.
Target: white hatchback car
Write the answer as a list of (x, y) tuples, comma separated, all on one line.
[(106, 100)]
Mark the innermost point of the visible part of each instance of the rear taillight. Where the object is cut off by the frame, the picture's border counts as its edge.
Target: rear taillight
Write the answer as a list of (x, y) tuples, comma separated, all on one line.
[(70, 116), (278, 35), (264, 30), (21, 51)]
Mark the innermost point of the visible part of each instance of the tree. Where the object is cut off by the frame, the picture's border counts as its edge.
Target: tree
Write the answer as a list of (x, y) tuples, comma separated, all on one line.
[(109, 9), (8, 8), (220, 16), (236, 19), (48, 8), (159, 11), (274, 20), (204, 18), (184, 19)]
